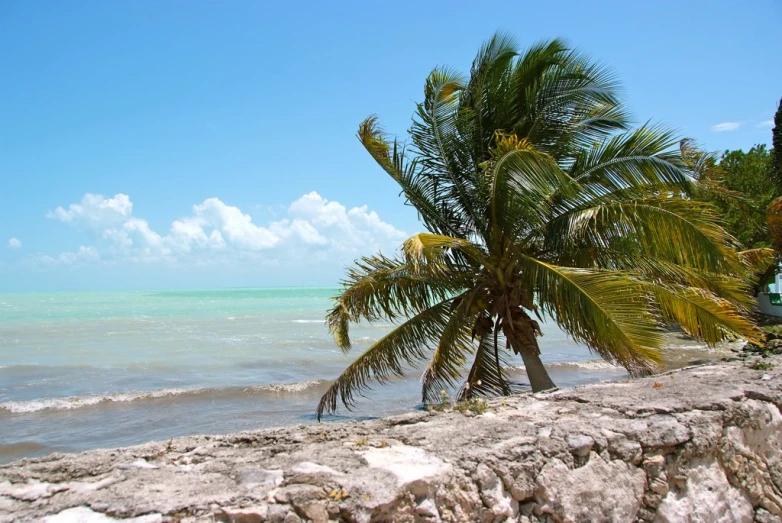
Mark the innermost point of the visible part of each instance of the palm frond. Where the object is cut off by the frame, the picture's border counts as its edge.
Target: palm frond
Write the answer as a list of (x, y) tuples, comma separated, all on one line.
[(408, 344), (428, 250), (441, 151), (641, 158), (609, 311), (381, 287), (702, 314), (450, 356), (668, 228), (419, 190), (734, 288), (570, 105), (488, 375), (520, 181), (482, 104), (758, 260)]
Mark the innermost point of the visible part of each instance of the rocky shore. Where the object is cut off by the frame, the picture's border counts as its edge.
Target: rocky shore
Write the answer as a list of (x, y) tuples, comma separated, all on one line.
[(698, 444)]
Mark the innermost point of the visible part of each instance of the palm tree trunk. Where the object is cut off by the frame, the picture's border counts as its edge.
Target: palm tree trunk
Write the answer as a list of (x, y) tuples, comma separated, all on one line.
[(538, 375), (523, 340)]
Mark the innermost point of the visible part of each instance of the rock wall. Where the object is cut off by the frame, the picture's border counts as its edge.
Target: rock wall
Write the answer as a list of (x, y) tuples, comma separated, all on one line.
[(700, 444)]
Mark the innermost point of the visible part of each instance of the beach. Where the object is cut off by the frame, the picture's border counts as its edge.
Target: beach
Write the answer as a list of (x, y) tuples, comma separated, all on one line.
[(698, 444), (108, 369)]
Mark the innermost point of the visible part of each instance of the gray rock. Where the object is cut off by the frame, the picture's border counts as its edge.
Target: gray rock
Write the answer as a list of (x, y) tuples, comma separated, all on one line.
[(580, 444), (704, 446)]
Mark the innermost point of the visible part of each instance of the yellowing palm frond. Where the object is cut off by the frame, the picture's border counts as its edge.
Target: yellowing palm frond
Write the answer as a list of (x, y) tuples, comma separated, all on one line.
[(758, 260), (702, 314), (607, 310)]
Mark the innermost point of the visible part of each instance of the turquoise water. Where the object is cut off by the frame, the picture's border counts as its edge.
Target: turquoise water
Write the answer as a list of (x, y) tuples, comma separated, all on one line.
[(108, 369)]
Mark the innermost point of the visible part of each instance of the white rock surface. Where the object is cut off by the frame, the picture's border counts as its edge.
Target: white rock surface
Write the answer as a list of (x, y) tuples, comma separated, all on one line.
[(598, 491), (707, 496), (705, 449), (85, 515)]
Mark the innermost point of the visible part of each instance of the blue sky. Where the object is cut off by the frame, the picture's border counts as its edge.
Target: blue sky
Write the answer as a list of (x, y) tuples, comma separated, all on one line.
[(130, 131)]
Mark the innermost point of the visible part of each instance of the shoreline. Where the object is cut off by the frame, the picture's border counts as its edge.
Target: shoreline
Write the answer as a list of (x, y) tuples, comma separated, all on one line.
[(634, 449), (37, 417)]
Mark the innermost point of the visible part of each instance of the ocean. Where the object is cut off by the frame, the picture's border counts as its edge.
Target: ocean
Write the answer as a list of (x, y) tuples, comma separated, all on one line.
[(109, 369)]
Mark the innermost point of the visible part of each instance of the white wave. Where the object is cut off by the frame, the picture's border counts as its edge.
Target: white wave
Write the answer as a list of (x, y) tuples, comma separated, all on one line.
[(308, 321), (76, 402), (586, 365), (582, 364), (287, 387)]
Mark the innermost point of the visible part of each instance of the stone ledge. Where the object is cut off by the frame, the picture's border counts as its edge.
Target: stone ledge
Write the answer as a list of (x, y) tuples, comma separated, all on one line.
[(700, 444)]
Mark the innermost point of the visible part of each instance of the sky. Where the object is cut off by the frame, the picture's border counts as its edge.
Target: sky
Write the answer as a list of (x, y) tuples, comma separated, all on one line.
[(202, 144)]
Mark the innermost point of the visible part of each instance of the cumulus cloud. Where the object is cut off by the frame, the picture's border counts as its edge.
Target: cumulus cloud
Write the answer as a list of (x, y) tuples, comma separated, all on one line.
[(314, 226), (95, 212), (234, 225), (725, 126), (14, 243)]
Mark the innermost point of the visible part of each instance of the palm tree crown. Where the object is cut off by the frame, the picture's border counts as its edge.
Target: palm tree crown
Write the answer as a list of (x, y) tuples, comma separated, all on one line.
[(538, 201)]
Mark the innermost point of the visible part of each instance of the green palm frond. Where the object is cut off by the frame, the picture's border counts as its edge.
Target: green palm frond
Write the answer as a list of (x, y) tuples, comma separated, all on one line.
[(449, 358), (670, 228), (735, 289), (381, 287), (479, 113), (408, 344), (419, 190), (641, 158), (441, 151), (429, 250), (519, 180), (609, 311), (488, 375), (572, 104)]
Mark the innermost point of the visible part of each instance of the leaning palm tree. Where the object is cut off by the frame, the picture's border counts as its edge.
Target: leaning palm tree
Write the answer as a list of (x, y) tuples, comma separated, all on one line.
[(539, 202)]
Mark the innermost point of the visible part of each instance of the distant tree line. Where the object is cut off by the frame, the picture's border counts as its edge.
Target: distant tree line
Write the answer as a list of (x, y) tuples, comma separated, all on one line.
[(755, 179)]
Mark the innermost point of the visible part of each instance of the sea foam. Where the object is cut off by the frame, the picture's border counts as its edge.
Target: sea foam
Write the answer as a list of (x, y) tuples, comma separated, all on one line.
[(77, 402)]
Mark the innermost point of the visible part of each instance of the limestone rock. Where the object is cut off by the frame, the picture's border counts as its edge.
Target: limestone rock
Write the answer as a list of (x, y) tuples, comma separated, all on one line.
[(708, 496), (704, 447), (598, 491)]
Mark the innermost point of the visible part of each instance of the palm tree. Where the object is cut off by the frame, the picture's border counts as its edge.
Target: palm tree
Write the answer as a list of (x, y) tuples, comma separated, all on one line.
[(539, 202)]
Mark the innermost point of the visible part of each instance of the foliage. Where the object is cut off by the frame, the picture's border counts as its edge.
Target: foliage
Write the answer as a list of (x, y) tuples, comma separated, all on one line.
[(476, 406), (749, 174), (740, 185), (539, 201), (443, 404), (761, 365), (776, 141)]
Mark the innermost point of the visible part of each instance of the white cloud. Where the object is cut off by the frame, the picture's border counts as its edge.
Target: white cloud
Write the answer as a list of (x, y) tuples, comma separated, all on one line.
[(95, 212), (82, 255), (235, 226), (216, 231), (14, 243), (725, 126), (343, 229), (766, 124)]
